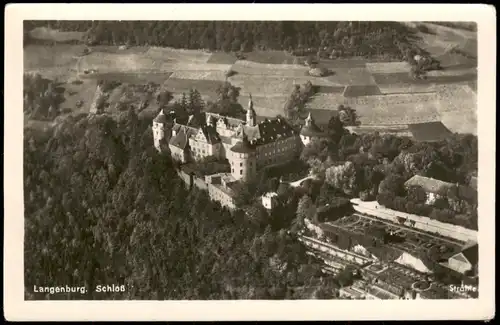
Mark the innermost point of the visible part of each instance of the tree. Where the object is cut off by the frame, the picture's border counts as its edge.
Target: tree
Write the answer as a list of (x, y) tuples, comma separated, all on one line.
[(305, 208), (335, 129), (163, 98), (392, 184), (416, 194)]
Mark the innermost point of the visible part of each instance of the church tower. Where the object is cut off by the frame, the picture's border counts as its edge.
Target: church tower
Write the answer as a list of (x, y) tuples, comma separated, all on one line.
[(251, 115)]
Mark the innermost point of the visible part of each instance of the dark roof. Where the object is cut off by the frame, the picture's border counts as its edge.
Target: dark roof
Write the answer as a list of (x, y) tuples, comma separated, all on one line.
[(471, 253), (243, 146), (210, 134), (161, 118), (312, 130), (430, 185), (430, 131), (181, 139), (267, 131), (282, 188)]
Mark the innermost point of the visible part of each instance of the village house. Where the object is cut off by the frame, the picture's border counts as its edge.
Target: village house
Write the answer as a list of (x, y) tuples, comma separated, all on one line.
[(433, 188), (465, 261)]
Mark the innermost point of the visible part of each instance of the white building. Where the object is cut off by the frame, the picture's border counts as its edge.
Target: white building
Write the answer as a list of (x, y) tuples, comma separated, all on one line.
[(433, 188), (269, 200)]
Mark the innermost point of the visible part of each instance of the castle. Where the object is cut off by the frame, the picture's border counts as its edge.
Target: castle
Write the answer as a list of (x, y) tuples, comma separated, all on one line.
[(247, 145)]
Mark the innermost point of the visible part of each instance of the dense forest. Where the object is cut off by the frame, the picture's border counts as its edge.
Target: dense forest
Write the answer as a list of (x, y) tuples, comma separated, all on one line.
[(338, 38), (103, 207)]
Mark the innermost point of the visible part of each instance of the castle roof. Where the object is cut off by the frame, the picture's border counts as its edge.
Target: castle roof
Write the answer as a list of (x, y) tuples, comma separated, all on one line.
[(210, 134), (267, 131), (471, 252), (243, 146), (430, 185), (181, 139), (310, 129), (161, 118)]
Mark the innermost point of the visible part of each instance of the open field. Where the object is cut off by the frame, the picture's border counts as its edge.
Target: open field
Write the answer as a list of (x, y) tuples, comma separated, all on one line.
[(222, 58), (113, 49), (59, 56), (357, 90), (177, 55), (388, 67), (283, 70), (265, 105), (184, 85), (76, 92), (330, 89), (352, 76), (270, 57), (326, 101), (216, 75), (343, 63), (129, 77), (401, 113), (382, 93)]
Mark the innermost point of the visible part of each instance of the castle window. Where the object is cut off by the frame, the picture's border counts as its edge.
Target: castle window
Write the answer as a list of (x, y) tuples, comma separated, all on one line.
[(241, 164), (241, 172)]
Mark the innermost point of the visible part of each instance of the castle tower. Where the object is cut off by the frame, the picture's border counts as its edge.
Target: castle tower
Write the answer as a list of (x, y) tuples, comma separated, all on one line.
[(251, 115), (310, 131), (243, 159), (159, 124), (210, 120)]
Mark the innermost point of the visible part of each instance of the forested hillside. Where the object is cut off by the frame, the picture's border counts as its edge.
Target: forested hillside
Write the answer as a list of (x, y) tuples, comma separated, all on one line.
[(360, 38), (103, 207)]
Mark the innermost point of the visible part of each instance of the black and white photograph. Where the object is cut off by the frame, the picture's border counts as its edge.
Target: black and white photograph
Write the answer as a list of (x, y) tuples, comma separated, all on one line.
[(253, 159)]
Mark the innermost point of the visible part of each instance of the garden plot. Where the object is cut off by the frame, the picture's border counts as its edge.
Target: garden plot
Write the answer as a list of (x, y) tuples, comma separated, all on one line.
[(405, 88), (189, 66), (351, 76), (343, 63), (388, 67), (451, 72), (389, 100), (222, 58), (129, 77), (263, 85), (358, 91), (50, 57), (207, 87), (74, 93), (200, 75), (178, 55), (271, 57), (110, 62), (460, 122), (397, 113), (326, 101)]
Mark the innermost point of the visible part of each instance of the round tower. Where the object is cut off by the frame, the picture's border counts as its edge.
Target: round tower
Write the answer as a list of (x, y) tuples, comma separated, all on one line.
[(310, 131), (159, 124), (251, 115), (243, 160)]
